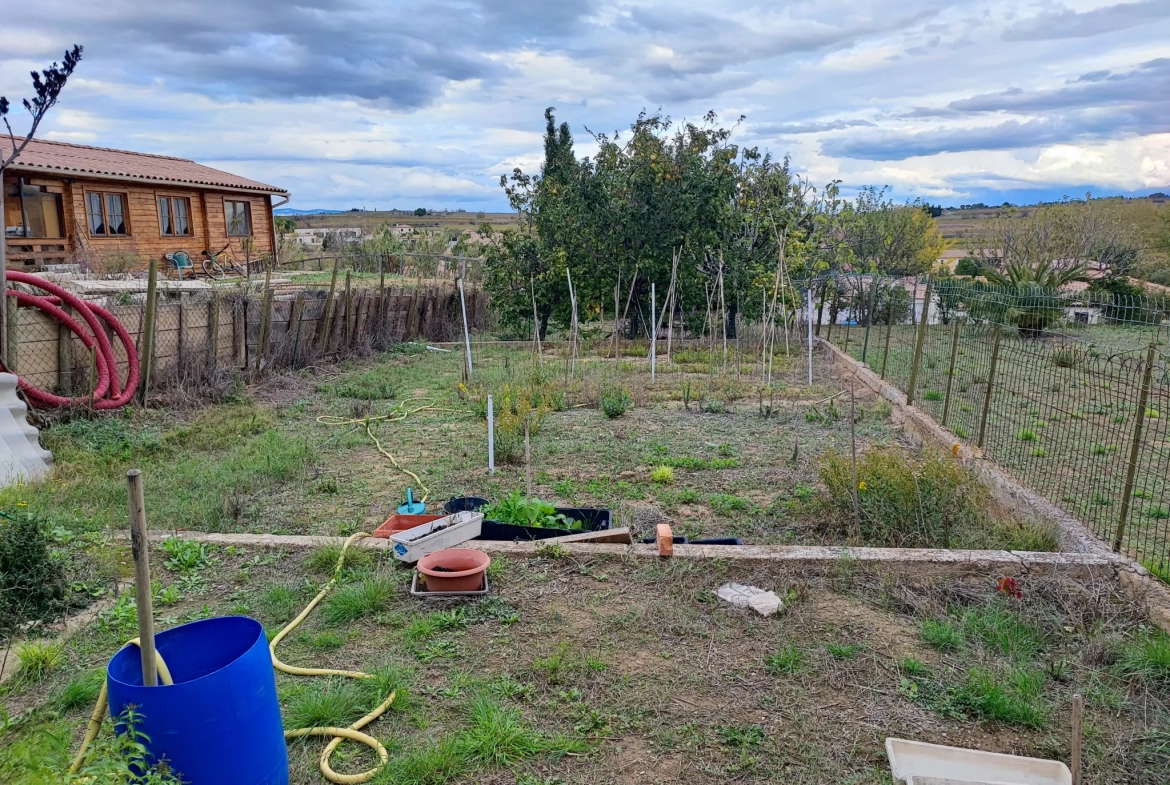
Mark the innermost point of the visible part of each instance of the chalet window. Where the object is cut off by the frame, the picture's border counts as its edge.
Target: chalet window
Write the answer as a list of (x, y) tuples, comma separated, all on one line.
[(40, 211), (106, 214), (173, 212), (239, 218)]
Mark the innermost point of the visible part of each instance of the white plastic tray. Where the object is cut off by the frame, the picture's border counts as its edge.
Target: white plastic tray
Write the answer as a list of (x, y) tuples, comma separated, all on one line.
[(411, 545), (919, 763)]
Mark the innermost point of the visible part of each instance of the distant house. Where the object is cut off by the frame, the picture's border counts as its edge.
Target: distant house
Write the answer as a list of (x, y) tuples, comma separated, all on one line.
[(315, 238), (68, 203), (402, 230)]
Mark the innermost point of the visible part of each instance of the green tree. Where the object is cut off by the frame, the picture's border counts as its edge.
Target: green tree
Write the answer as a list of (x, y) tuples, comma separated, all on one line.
[(421, 211), (891, 238)]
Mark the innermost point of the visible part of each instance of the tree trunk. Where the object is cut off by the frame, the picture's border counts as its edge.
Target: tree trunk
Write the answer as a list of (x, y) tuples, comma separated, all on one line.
[(544, 324), (732, 311)]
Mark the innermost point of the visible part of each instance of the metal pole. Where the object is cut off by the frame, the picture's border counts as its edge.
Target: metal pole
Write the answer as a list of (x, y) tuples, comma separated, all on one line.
[(990, 384), (140, 548), (466, 333), (653, 330), (1134, 449), (918, 347), (491, 436), (810, 335), (950, 373)]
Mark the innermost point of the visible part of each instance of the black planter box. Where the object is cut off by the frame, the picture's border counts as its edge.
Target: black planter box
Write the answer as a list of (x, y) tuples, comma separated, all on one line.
[(592, 518)]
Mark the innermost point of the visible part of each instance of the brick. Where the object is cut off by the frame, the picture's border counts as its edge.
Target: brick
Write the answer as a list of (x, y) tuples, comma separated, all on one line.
[(665, 540)]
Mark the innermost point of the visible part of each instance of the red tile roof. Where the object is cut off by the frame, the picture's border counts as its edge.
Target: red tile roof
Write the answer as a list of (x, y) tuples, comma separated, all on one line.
[(101, 162)]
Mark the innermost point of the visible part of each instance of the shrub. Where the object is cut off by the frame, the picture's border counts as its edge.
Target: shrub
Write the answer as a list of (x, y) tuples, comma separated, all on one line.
[(39, 658), (32, 578), (904, 502), (663, 475), (615, 403), (514, 406), (1067, 356)]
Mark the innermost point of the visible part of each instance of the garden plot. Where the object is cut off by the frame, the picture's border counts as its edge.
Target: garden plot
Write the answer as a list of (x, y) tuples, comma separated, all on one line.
[(295, 456), (627, 669)]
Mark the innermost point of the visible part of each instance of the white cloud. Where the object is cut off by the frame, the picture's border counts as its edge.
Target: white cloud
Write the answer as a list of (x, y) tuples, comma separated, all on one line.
[(394, 104)]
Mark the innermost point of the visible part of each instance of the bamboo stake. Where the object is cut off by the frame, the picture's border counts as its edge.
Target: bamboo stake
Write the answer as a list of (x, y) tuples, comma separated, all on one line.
[(653, 331), (140, 548), (536, 325), (466, 334), (527, 457), (853, 452), (1078, 710)]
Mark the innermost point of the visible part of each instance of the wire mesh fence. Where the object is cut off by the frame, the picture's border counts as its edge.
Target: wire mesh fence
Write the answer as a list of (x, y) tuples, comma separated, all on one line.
[(1069, 391), (204, 338)]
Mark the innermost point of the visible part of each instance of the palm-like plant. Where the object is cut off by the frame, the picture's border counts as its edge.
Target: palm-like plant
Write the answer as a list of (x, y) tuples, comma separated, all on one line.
[(1033, 289)]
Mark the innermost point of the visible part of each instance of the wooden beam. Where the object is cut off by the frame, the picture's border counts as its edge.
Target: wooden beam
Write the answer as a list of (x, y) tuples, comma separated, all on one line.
[(622, 535)]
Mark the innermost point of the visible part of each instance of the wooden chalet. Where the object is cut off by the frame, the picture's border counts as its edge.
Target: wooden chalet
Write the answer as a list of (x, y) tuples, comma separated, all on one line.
[(70, 204)]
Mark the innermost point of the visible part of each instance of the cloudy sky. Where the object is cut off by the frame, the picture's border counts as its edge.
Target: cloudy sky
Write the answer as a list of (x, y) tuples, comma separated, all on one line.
[(361, 103)]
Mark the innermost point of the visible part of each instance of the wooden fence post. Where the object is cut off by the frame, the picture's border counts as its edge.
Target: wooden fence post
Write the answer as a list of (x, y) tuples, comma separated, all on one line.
[(64, 354), (264, 336), (918, 343), (12, 317), (326, 317), (182, 330), (213, 331), (295, 316), (886, 352), (990, 385), (873, 286), (1135, 448), (348, 313), (950, 373), (147, 360)]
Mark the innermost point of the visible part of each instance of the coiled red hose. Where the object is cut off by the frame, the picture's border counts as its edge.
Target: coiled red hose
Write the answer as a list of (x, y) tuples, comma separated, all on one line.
[(110, 392)]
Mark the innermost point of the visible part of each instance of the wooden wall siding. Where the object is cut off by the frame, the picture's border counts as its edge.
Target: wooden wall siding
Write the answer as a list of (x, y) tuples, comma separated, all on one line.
[(145, 239), (54, 359)]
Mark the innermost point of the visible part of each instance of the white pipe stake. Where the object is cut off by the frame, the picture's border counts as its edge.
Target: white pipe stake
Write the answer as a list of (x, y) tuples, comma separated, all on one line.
[(653, 331), (810, 334), (491, 437), (466, 334)]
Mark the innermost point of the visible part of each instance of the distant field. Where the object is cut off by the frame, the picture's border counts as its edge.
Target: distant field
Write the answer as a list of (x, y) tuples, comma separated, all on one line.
[(372, 221)]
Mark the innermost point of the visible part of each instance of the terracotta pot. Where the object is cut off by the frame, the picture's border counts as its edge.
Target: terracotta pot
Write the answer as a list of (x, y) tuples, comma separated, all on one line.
[(454, 569)]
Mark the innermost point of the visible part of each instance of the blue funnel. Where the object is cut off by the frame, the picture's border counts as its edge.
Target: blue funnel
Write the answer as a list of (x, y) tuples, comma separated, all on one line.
[(411, 507)]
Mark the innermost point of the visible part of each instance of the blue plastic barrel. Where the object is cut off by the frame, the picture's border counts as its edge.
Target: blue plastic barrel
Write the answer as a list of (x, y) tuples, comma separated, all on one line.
[(219, 723)]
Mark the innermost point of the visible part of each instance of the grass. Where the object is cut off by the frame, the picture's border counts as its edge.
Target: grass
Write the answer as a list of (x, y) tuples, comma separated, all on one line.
[(80, 692), (1001, 629), (39, 658), (1011, 697), (663, 475), (279, 602), (498, 736), (790, 659), (844, 651), (942, 635), (1146, 656), (353, 601)]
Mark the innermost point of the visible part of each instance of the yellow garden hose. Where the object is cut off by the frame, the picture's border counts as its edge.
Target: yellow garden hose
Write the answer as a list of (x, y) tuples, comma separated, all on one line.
[(398, 413), (338, 735)]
